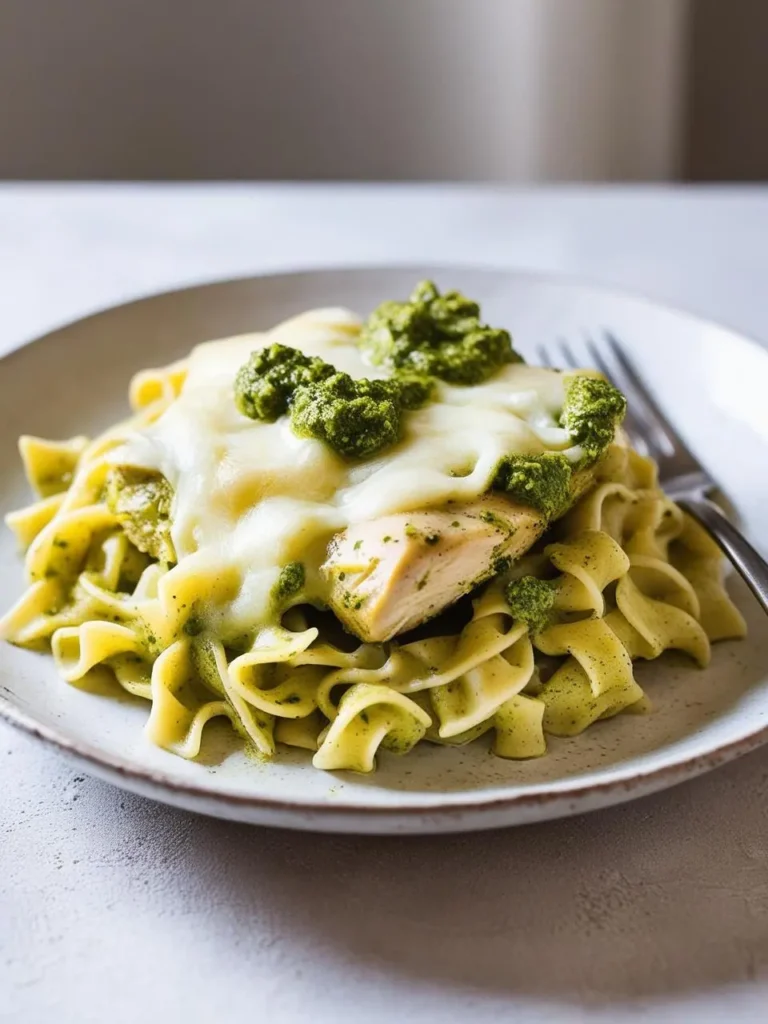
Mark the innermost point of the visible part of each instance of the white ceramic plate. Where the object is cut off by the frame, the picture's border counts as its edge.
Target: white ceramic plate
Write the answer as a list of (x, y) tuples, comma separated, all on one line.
[(714, 384)]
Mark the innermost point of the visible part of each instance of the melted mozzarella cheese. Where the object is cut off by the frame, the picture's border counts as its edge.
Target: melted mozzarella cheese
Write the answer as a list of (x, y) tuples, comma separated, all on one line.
[(252, 496)]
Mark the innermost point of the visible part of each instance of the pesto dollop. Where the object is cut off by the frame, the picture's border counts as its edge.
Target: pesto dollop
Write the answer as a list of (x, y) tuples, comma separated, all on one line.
[(532, 600), (436, 335), (357, 418), (266, 384), (541, 481), (290, 581), (592, 410)]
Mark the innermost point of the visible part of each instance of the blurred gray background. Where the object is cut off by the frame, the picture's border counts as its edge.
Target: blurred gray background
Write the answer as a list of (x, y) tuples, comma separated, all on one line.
[(506, 90)]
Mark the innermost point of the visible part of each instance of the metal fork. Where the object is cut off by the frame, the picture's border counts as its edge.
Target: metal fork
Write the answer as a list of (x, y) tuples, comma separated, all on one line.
[(681, 475)]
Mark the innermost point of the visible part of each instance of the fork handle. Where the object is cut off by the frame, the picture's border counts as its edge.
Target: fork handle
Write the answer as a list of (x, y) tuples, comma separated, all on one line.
[(751, 565)]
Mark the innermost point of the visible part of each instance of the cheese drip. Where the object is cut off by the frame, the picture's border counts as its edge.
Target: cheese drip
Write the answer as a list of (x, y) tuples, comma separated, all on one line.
[(251, 496)]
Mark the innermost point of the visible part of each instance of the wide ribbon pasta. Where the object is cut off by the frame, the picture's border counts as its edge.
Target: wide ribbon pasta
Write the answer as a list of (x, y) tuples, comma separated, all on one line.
[(633, 577)]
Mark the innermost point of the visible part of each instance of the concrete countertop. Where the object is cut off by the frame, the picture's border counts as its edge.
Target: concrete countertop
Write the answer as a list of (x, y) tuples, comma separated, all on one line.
[(116, 908)]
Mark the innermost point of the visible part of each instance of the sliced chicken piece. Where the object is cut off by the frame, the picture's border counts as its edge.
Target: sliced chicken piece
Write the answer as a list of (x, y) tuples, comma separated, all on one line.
[(389, 575)]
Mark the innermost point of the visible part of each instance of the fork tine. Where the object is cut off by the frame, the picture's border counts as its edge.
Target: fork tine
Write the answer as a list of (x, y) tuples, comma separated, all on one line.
[(558, 355), (636, 423), (633, 425), (649, 431), (544, 356), (628, 368), (599, 360), (643, 415), (570, 359), (562, 355)]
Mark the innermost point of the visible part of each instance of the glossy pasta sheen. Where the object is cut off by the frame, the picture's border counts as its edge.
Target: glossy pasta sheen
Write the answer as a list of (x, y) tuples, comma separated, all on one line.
[(633, 576)]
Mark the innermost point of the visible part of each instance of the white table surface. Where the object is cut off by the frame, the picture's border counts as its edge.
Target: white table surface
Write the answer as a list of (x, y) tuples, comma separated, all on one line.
[(113, 908)]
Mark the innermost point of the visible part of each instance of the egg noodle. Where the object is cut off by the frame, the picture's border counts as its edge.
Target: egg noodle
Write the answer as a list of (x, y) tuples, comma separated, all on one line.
[(633, 576)]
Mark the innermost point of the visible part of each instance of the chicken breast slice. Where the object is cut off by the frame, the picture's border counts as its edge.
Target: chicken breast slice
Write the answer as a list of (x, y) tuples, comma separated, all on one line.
[(389, 575)]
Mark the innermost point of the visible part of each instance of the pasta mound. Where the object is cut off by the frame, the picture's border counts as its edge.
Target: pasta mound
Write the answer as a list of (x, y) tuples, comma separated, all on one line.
[(632, 577)]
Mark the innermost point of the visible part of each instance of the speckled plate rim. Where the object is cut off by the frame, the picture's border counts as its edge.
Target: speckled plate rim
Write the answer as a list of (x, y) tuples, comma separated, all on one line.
[(544, 801), (556, 800)]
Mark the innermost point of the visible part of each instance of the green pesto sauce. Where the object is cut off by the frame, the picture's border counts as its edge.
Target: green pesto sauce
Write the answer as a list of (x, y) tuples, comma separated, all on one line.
[(541, 481), (142, 500), (592, 410), (351, 600), (429, 336), (493, 520), (531, 600), (501, 563), (357, 418), (266, 384), (426, 337), (194, 626), (436, 335), (290, 581)]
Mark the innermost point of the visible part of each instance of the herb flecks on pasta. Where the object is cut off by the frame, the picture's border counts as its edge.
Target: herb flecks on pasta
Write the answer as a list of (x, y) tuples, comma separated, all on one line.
[(470, 555), (142, 502)]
